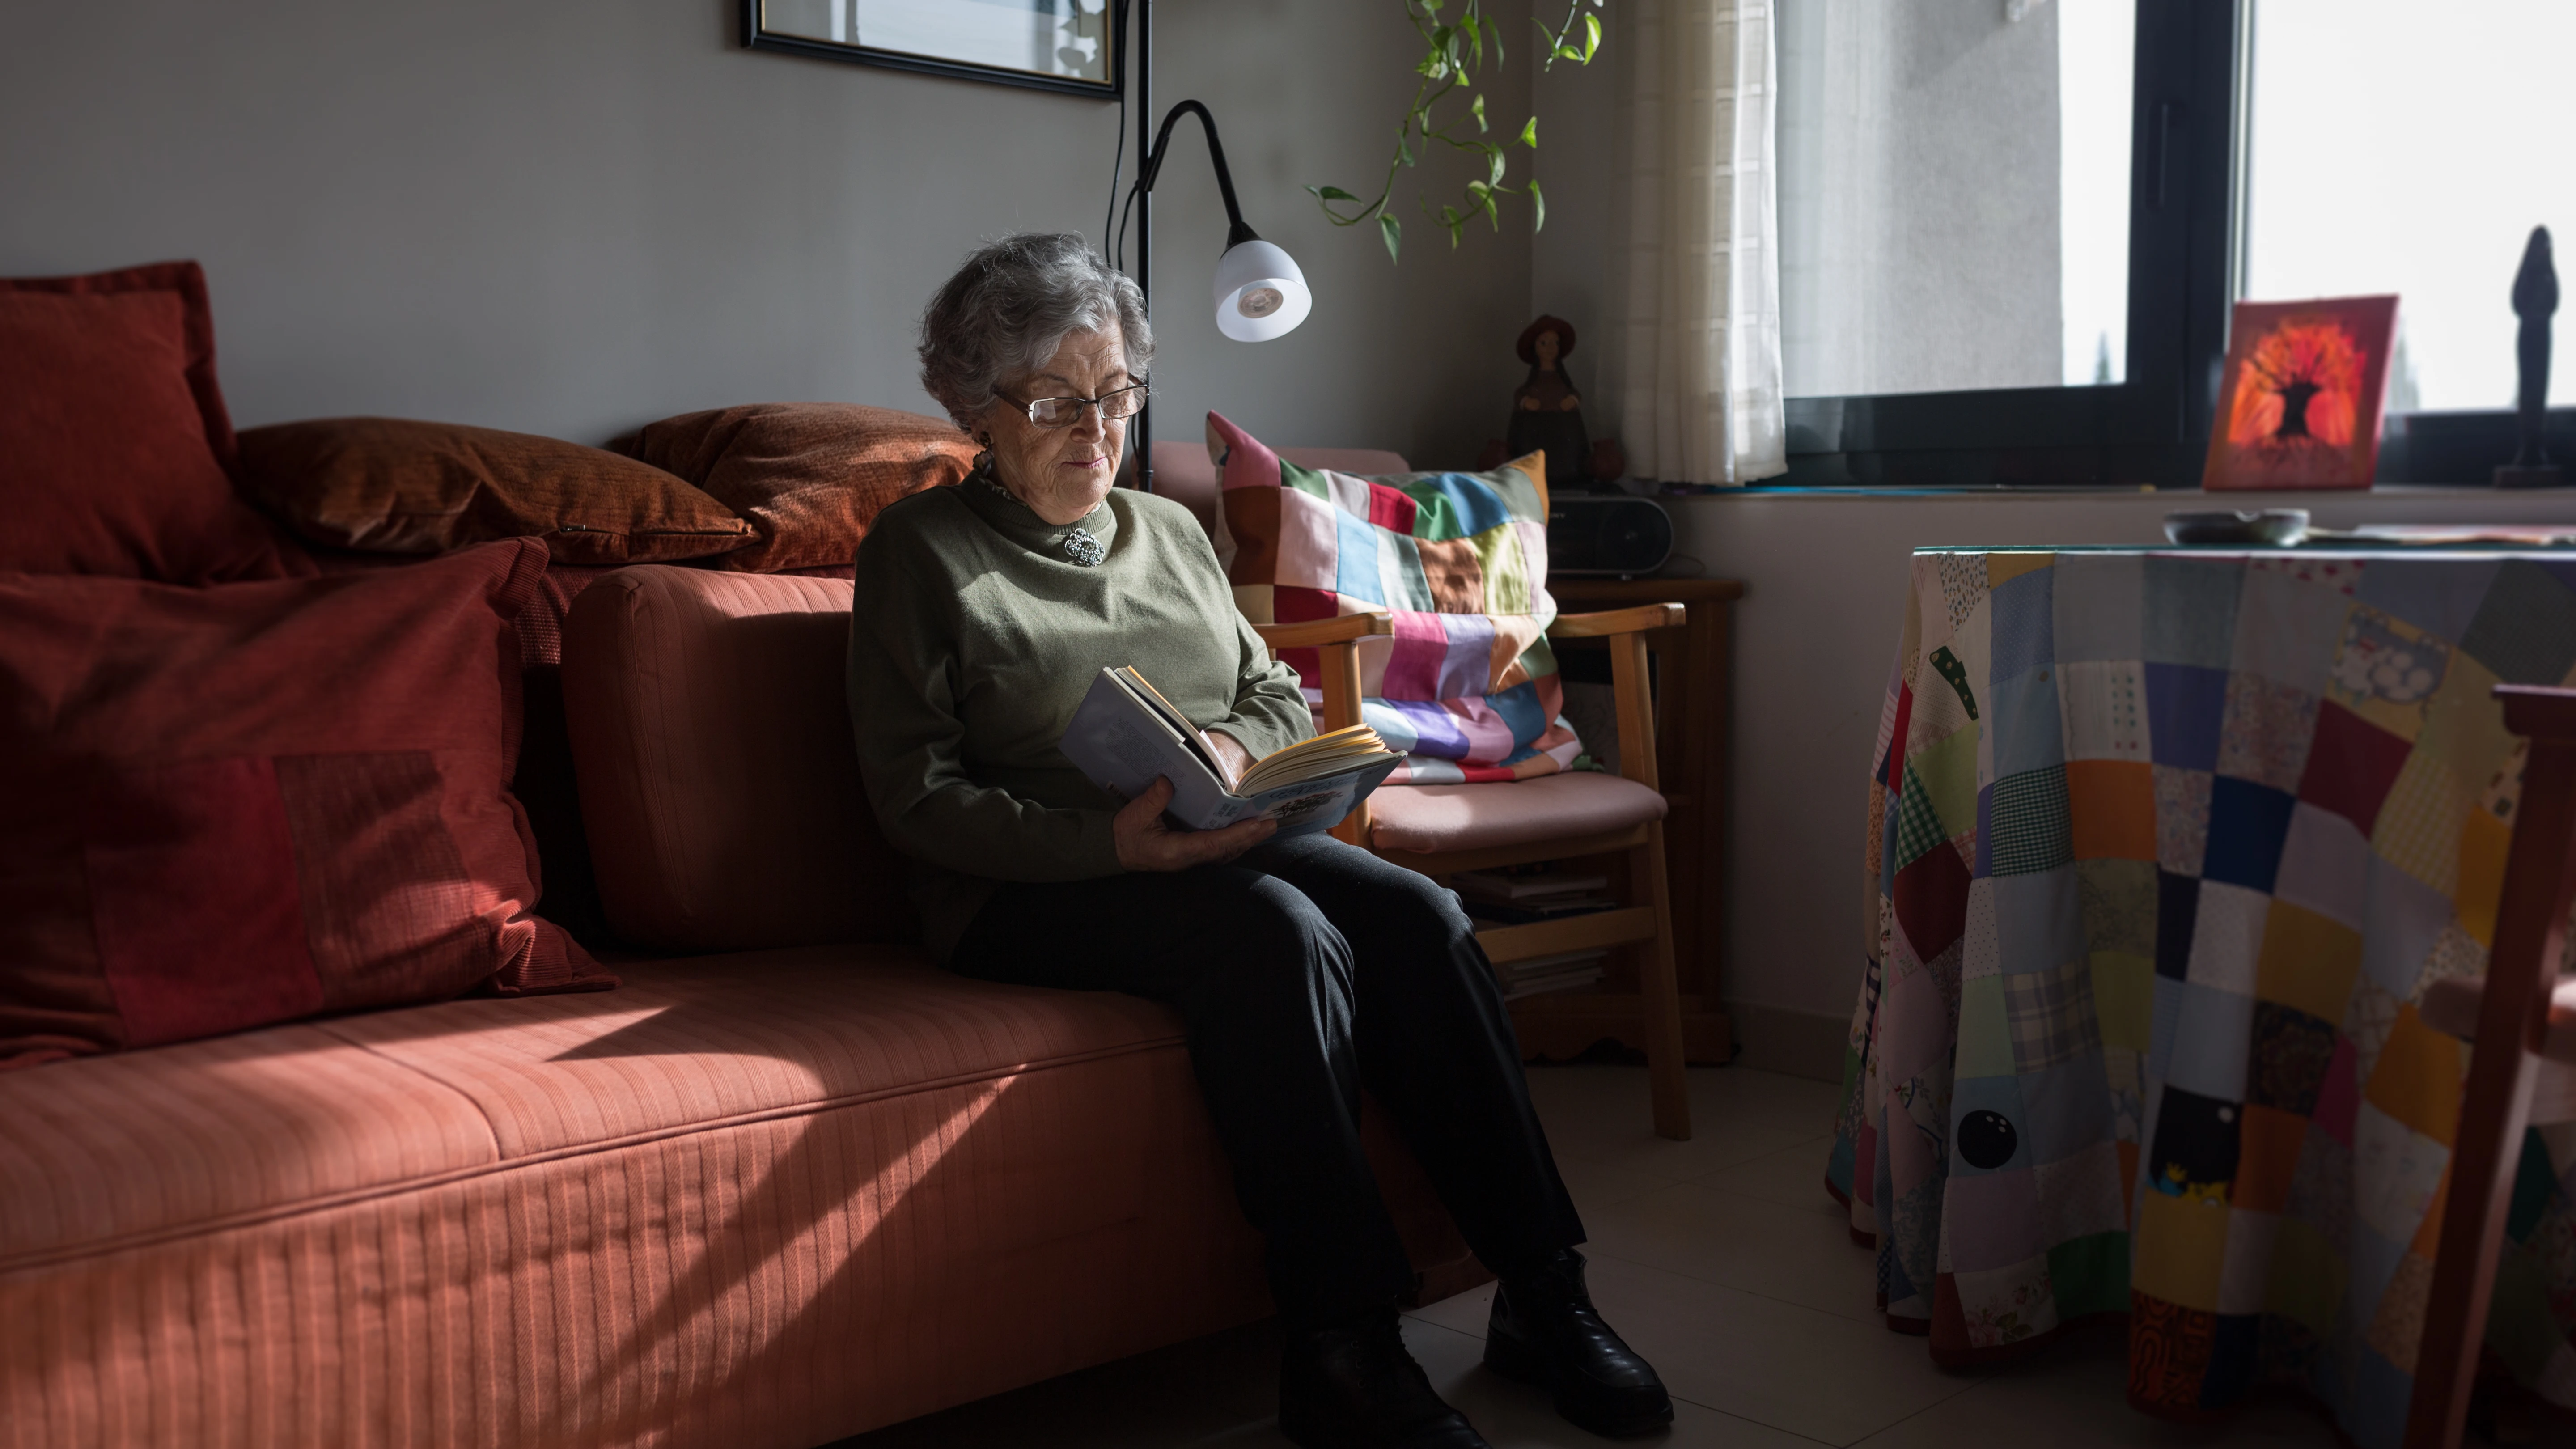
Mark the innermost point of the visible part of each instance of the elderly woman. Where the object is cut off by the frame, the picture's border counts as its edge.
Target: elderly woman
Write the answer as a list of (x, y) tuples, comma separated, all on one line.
[(1305, 969)]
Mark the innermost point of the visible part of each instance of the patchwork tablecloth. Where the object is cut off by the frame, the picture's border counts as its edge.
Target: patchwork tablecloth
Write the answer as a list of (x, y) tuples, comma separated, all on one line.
[(2164, 847)]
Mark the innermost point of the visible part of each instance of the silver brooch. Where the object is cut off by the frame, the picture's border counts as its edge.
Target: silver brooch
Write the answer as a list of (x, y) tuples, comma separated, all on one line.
[(1083, 549)]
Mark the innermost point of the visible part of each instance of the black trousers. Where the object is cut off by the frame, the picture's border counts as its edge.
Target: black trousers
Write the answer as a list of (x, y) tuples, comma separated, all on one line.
[(1306, 970)]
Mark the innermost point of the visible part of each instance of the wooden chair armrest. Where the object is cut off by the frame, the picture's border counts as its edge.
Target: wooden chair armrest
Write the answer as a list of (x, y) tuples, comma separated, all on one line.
[(1617, 621), (2537, 711), (1338, 639), (1339, 629)]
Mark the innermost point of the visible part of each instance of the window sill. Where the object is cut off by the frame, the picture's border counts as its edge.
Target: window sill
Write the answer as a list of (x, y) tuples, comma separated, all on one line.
[(2552, 499)]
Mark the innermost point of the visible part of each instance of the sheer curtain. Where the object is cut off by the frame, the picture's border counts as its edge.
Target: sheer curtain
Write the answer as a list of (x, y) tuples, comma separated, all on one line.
[(1702, 398)]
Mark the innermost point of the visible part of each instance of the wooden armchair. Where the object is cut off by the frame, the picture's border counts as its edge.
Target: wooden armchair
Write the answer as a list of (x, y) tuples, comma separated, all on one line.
[(1440, 829), (2521, 1020)]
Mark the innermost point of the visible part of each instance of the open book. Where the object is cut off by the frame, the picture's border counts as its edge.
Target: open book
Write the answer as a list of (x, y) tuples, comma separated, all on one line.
[(1126, 734)]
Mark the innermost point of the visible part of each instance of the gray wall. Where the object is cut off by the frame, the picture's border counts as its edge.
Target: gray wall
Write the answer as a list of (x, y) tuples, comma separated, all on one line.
[(573, 217)]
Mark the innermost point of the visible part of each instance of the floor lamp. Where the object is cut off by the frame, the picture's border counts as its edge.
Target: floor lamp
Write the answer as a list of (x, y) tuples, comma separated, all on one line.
[(1259, 292)]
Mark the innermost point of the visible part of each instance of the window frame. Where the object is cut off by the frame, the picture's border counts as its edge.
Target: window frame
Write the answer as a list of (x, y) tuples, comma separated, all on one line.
[(2185, 170)]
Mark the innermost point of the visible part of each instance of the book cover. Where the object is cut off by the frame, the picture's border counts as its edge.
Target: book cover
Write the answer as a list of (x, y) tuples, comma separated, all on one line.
[(1126, 734)]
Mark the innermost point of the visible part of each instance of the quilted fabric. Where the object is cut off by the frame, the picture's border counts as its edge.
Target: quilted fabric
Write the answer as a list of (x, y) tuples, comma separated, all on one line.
[(2168, 858), (1467, 687)]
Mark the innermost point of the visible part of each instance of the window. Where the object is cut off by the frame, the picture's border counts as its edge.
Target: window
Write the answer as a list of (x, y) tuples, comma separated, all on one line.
[(1954, 195), (2004, 237), (2393, 149)]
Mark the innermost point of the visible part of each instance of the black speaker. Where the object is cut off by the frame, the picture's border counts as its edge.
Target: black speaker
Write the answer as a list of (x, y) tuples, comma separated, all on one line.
[(1607, 534)]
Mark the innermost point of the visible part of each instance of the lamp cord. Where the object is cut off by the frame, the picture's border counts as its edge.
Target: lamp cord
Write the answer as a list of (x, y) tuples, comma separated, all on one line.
[(1118, 157), (1118, 259)]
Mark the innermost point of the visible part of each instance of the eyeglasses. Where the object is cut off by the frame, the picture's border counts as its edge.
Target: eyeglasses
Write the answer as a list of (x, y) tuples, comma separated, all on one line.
[(1064, 412)]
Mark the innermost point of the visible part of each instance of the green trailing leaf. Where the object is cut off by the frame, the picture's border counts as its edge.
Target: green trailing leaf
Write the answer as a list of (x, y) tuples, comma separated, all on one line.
[(1460, 42)]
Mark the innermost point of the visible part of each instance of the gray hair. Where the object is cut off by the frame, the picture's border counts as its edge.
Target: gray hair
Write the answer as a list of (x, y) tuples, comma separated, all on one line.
[(1011, 306)]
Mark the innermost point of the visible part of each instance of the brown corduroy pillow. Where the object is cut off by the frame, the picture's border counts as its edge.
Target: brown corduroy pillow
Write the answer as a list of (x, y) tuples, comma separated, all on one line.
[(389, 485), (811, 477)]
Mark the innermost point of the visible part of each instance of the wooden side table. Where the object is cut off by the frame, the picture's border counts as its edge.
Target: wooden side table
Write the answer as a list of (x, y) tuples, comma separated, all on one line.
[(1691, 716)]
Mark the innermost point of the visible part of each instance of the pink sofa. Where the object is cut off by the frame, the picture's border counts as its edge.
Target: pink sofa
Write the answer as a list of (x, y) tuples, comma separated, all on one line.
[(790, 1183)]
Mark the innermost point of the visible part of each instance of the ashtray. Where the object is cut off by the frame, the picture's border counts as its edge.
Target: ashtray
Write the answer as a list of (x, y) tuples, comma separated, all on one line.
[(2262, 528)]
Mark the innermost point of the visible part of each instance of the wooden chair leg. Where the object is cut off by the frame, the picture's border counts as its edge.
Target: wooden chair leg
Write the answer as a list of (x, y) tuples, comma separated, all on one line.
[(2496, 1107), (1659, 994), (1659, 999)]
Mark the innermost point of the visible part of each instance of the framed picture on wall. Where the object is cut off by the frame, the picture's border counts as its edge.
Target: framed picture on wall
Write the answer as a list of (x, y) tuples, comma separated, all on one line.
[(1071, 46)]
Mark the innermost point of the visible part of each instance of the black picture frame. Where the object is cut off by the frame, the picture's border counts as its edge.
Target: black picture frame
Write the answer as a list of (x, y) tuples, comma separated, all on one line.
[(757, 36)]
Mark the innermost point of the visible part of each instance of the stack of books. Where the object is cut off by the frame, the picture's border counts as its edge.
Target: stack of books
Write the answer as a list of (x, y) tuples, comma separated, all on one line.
[(1538, 893), (1566, 971), (1518, 897)]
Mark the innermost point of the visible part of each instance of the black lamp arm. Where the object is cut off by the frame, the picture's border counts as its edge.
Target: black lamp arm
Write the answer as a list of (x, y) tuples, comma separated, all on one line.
[(1236, 233)]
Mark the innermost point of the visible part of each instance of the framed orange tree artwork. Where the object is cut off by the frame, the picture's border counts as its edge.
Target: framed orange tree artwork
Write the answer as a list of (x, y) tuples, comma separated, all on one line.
[(2298, 406)]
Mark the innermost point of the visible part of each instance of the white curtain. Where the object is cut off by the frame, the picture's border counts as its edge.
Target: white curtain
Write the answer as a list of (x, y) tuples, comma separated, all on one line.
[(1702, 396)]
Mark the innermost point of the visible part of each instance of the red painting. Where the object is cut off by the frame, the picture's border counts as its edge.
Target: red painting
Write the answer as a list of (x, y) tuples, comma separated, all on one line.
[(2299, 404)]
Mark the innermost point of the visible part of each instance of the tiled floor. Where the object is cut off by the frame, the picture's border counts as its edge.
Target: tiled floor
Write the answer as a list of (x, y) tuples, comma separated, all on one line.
[(1719, 1258)]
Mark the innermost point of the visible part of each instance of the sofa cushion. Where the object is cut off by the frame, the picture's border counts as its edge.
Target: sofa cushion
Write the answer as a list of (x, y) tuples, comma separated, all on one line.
[(1481, 817), (811, 477), (114, 443), (757, 1200), (393, 485), (237, 805), (712, 742), (202, 1134)]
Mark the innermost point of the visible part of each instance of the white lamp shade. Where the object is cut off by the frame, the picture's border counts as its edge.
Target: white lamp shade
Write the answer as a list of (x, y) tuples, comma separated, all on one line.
[(1260, 294)]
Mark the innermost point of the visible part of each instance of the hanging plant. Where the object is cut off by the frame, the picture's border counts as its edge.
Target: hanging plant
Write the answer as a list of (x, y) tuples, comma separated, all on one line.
[(1455, 50)]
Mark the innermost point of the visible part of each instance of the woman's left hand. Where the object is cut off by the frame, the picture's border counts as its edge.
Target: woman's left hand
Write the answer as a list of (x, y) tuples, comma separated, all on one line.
[(1231, 756)]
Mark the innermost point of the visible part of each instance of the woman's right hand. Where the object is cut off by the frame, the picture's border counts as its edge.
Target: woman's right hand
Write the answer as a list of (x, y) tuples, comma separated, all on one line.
[(1145, 842)]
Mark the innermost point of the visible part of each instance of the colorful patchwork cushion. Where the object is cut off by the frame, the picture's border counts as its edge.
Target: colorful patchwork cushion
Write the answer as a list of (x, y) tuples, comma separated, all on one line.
[(1467, 686)]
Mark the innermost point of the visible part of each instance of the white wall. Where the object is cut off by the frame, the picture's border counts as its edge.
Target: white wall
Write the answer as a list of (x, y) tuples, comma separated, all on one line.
[(569, 218)]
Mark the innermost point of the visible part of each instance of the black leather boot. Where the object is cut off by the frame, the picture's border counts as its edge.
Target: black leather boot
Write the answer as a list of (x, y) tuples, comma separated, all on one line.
[(1545, 1331), (1355, 1386)]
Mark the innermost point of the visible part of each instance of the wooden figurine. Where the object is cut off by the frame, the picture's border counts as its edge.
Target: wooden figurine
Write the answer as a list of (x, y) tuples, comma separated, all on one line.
[(1547, 415), (2535, 298)]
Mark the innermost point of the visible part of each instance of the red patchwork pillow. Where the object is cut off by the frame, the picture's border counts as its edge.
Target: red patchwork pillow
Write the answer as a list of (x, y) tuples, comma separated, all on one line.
[(231, 806), (115, 449)]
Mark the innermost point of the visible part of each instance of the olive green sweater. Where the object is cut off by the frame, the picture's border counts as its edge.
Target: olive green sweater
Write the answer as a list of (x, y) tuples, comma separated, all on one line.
[(973, 637)]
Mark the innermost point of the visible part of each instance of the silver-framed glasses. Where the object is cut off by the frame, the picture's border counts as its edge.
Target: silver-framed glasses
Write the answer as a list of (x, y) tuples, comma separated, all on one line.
[(1064, 412)]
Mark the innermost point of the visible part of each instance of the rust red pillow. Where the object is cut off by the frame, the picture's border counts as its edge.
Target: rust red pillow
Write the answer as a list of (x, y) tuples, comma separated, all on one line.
[(393, 485), (115, 449), (231, 806), (811, 477)]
